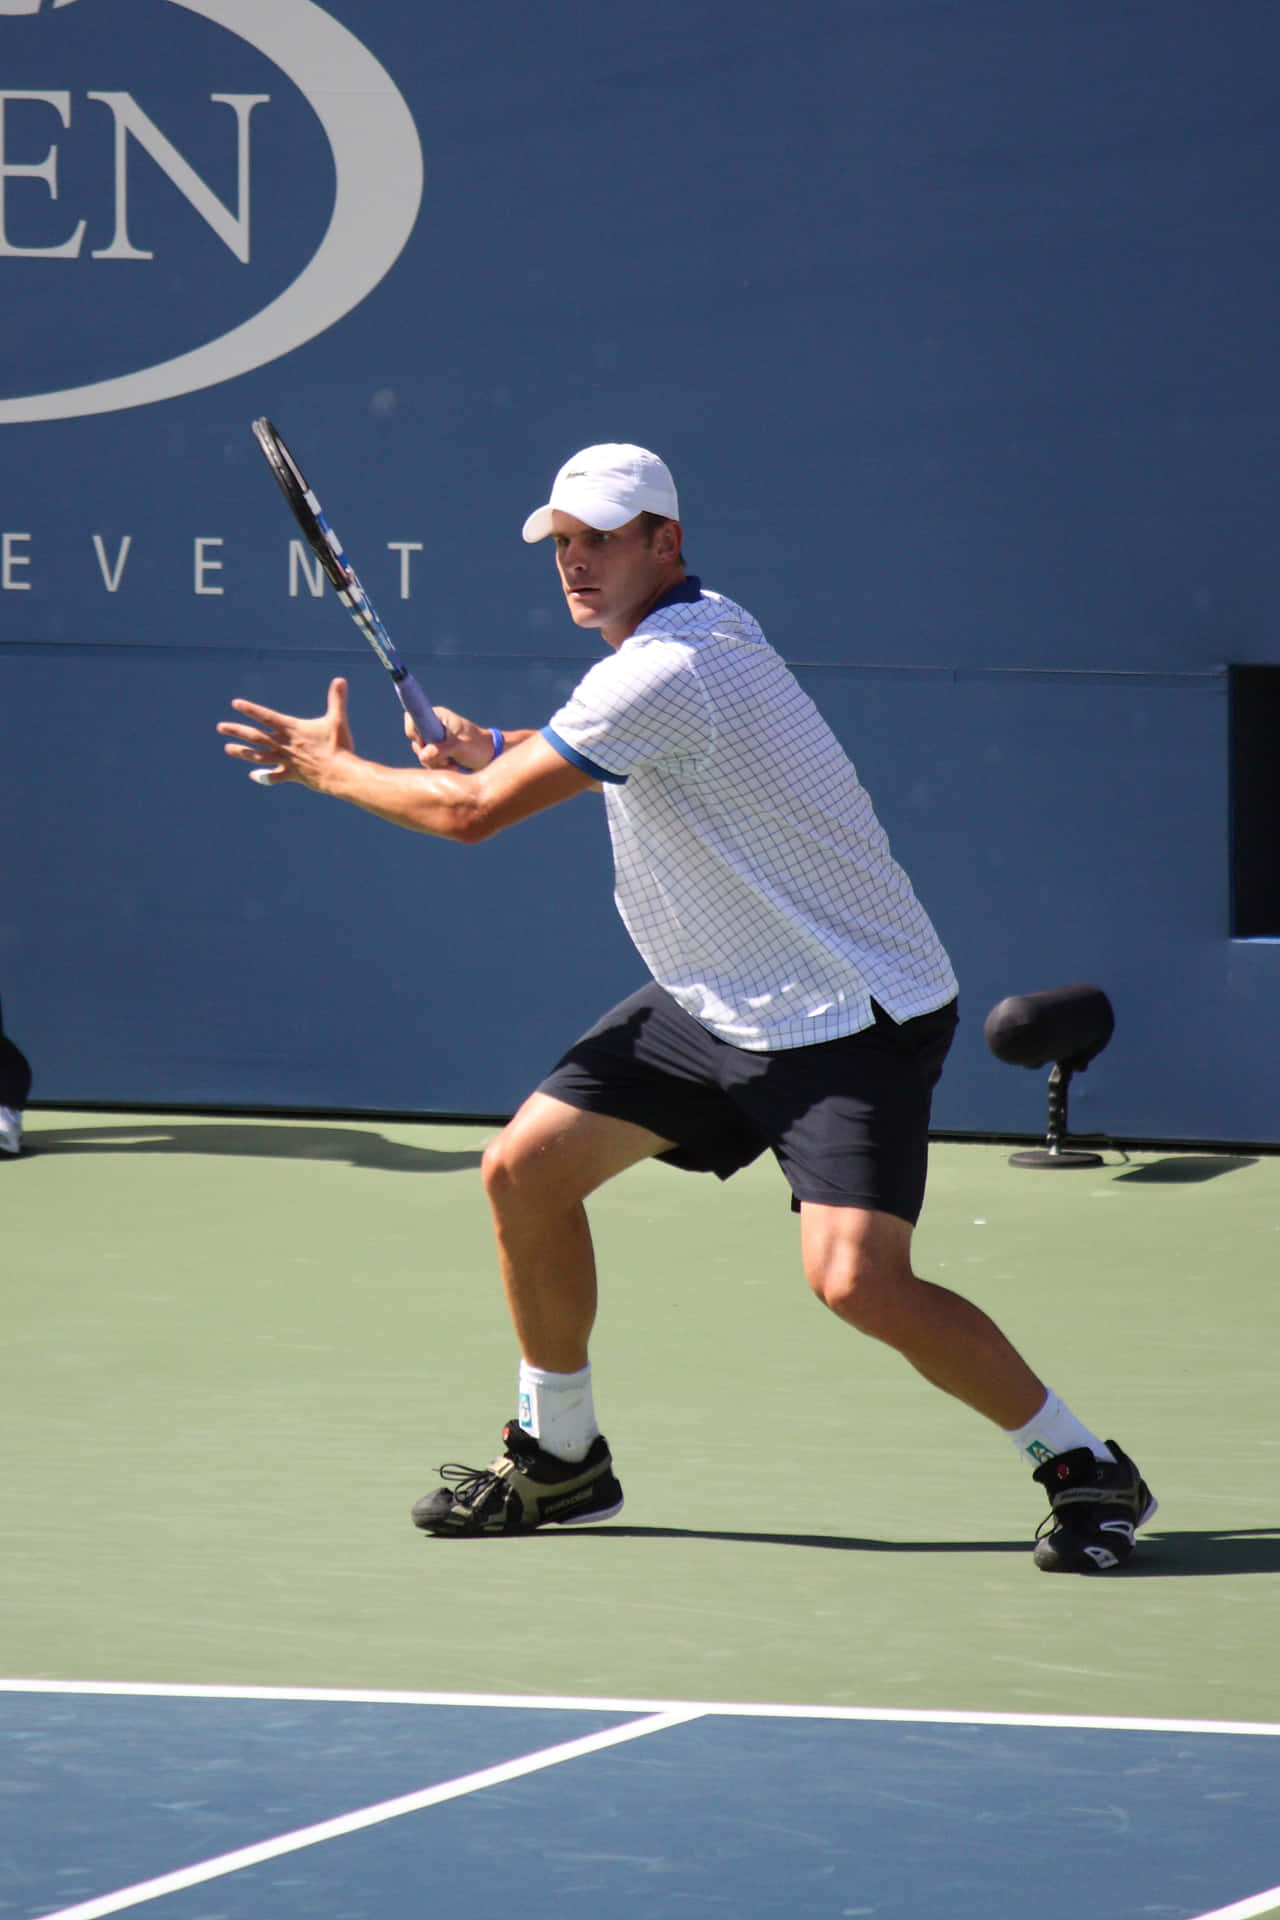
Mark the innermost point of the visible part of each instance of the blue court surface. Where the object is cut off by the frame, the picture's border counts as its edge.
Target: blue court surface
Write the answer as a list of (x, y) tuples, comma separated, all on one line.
[(214, 1803)]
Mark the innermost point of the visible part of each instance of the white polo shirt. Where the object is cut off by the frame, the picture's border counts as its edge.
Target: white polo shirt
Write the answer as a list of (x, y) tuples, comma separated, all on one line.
[(751, 871)]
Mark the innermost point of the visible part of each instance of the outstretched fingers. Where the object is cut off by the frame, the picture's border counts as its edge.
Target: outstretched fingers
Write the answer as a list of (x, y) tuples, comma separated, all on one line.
[(267, 716), (247, 743), (293, 748), (254, 744)]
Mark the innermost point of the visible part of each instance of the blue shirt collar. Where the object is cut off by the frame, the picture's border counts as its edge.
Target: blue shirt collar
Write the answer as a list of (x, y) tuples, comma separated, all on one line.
[(690, 588)]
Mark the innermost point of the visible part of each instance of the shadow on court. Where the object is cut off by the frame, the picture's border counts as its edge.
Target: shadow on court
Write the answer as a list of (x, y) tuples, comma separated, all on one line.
[(831, 1542), (1217, 1550), (1187, 1169), (1171, 1555), (249, 1140)]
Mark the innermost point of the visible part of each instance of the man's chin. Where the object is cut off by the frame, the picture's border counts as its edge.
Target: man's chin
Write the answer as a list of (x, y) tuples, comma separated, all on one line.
[(585, 614)]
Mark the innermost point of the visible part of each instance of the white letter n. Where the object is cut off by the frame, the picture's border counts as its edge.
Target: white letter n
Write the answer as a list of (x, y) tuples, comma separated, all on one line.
[(231, 229), (312, 572)]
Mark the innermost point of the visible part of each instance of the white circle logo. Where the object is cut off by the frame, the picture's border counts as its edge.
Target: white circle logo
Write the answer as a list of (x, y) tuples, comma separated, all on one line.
[(377, 161)]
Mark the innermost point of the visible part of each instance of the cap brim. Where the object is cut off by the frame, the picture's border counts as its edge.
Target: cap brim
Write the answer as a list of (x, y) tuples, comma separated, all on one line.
[(593, 509)]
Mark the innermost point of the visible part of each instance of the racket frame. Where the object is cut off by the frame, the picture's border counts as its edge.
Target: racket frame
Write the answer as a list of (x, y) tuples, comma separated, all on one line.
[(342, 576)]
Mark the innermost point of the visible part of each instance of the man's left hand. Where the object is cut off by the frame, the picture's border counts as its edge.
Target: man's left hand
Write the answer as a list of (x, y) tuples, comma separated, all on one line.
[(291, 748)]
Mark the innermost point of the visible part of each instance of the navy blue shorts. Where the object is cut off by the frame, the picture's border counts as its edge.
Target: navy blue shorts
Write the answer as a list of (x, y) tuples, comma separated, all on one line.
[(848, 1120)]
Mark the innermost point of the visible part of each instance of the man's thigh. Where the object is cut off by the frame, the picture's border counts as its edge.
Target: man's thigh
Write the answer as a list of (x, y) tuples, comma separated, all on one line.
[(647, 1062), (848, 1120), (549, 1149)]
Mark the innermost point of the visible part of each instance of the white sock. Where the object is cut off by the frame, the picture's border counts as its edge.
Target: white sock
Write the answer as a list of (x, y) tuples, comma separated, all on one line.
[(557, 1409), (1055, 1429)]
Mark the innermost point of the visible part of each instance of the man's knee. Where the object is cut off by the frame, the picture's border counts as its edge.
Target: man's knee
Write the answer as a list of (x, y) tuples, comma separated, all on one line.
[(859, 1266), (512, 1164), (556, 1155), (496, 1164), (869, 1294), (553, 1155)]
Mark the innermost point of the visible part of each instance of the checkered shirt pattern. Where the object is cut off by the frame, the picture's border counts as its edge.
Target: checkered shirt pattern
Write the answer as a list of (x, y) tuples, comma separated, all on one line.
[(751, 871)]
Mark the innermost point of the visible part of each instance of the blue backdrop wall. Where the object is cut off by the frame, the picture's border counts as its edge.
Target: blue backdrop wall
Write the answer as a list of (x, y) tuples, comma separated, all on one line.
[(956, 320)]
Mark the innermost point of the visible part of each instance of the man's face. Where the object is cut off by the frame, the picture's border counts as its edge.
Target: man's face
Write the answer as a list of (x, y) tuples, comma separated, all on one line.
[(611, 580)]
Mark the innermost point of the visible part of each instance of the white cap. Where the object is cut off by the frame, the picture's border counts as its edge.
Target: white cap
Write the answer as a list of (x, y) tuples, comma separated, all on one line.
[(606, 486)]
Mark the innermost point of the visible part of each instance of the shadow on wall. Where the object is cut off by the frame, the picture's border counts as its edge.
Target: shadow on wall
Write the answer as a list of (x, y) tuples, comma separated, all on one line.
[(252, 1140)]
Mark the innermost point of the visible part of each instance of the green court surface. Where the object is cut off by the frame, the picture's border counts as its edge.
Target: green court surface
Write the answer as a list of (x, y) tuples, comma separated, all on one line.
[(236, 1350)]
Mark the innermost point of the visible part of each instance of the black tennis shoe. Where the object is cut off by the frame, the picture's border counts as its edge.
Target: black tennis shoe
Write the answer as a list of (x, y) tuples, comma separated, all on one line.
[(524, 1488), (1096, 1507)]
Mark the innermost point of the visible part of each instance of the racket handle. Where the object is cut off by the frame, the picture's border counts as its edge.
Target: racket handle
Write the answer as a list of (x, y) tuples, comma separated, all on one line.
[(419, 708)]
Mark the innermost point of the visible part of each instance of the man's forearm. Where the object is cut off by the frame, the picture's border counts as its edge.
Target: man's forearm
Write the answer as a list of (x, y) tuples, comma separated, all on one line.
[(443, 803), (466, 808)]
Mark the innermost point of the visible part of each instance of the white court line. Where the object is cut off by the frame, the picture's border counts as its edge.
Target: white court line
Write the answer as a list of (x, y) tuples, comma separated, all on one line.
[(363, 1817), (1250, 1909), (661, 1714), (561, 1703)]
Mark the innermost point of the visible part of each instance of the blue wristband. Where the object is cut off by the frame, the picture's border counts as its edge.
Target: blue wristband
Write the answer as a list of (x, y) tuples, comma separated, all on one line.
[(499, 743)]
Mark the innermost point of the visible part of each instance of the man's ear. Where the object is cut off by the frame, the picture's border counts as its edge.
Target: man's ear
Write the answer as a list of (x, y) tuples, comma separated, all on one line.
[(669, 539)]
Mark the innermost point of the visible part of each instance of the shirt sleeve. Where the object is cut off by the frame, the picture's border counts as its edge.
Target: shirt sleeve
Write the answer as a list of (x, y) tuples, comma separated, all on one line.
[(643, 706)]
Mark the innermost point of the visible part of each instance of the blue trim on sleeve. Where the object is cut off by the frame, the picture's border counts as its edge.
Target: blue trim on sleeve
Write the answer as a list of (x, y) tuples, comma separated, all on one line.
[(580, 760)]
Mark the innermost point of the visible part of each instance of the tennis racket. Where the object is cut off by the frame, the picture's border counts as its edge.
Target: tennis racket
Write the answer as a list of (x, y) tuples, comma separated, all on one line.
[(326, 546)]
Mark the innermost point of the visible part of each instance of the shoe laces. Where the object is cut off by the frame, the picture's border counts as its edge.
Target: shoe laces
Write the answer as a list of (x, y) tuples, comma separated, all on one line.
[(465, 1479), (472, 1484)]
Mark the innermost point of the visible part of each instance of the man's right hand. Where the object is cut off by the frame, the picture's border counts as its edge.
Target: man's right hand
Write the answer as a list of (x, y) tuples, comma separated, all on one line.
[(464, 744)]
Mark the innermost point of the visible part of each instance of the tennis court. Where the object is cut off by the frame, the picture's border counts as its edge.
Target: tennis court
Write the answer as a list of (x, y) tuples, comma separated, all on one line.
[(810, 1670)]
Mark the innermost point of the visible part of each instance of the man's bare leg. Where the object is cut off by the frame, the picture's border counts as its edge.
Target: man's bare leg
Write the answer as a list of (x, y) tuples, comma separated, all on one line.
[(858, 1263), (537, 1174)]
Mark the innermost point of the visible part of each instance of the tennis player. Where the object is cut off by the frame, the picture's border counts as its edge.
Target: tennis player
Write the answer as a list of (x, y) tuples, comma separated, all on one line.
[(800, 1001), (15, 1085)]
